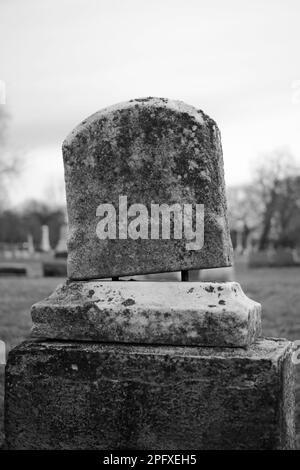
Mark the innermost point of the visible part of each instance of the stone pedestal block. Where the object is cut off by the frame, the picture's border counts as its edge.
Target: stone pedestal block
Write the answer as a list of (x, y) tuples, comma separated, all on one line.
[(62, 395), (177, 313)]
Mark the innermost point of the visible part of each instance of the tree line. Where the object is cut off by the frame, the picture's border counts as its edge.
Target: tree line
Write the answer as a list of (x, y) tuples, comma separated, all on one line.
[(268, 209), (15, 226)]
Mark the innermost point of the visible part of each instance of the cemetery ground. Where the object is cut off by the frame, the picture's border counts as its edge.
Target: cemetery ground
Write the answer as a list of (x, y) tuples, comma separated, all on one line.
[(276, 288)]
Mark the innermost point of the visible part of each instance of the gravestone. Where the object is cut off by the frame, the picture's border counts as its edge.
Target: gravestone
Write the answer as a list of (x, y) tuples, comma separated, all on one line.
[(61, 250), (30, 245), (114, 364), (152, 152), (45, 241)]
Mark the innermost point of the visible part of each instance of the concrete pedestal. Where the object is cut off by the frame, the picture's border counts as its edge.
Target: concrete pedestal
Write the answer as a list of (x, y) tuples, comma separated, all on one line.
[(171, 313), (77, 395)]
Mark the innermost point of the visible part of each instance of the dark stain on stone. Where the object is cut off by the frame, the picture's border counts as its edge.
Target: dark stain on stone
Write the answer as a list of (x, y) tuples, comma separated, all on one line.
[(191, 290), (128, 302), (220, 288), (91, 293), (222, 302), (209, 289), (212, 305)]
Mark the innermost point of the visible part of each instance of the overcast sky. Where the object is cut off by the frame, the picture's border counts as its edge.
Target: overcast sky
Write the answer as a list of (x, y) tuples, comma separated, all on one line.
[(62, 60)]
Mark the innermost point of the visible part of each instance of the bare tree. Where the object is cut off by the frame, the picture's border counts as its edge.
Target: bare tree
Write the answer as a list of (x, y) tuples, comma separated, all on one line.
[(55, 194), (9, 162), (287, 216), (270, 187), (242, 206), (242, 212)]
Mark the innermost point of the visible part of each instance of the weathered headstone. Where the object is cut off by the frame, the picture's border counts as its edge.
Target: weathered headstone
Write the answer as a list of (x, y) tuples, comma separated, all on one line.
[(147, 365), (146, 156), (142, 155)]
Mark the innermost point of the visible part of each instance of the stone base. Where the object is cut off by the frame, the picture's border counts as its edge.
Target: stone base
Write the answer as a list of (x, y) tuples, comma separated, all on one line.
[(103, 396), (177, 313)]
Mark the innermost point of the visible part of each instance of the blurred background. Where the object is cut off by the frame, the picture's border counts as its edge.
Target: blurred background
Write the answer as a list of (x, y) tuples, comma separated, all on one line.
[(62, 60)]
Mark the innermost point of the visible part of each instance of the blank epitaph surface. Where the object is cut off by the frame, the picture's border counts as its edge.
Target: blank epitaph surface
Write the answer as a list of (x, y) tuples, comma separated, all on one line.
[(145, 191)]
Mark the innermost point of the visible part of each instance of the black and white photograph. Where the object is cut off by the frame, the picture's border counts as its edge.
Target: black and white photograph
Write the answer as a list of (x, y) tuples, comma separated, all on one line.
[(149, 229)]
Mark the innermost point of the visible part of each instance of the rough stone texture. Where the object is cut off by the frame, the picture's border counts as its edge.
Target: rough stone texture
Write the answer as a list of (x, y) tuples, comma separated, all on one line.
[(151, 150), (93, 396), (183, 313)]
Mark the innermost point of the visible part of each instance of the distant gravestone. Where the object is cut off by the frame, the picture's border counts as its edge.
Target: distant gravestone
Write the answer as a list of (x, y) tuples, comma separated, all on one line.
[(45, 241), (61, 249), (136, 173), (30, 244)]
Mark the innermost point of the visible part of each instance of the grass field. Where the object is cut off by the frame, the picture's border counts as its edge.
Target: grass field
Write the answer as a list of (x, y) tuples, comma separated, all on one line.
[(16, 297), (277, 289)]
